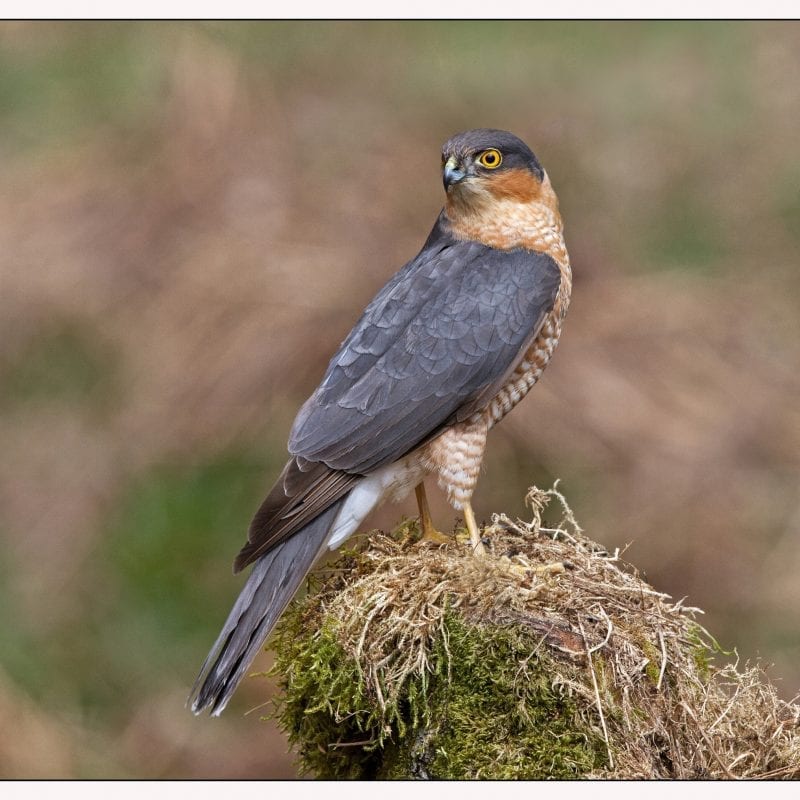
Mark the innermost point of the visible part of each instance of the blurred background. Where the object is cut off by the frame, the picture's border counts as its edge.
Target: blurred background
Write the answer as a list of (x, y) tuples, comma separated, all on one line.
[(192, 215)]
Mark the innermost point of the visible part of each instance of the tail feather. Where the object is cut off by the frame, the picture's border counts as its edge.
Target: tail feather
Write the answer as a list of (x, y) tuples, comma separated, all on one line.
[(274, 579)]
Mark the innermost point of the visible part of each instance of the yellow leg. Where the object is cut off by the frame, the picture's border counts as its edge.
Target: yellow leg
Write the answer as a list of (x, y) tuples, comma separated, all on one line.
[(474, 532), (429, 532)]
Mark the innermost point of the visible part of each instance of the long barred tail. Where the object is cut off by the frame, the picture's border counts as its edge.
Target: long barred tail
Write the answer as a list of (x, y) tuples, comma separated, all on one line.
[(275, 578)]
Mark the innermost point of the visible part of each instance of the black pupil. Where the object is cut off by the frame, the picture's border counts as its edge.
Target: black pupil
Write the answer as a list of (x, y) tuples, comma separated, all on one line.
[(490, 158)]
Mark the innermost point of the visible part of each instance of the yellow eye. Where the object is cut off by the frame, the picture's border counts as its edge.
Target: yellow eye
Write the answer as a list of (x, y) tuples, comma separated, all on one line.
[(491, 159)]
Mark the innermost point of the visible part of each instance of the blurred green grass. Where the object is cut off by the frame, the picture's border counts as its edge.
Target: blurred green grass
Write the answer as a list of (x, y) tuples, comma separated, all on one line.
[(151, 600), (67, 363), (57, 82)]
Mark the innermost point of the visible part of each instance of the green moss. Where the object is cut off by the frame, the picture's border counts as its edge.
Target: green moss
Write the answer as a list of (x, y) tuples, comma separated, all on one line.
[(500, 717), (703, 648), (325, 712), (487, 709), (653, 667)]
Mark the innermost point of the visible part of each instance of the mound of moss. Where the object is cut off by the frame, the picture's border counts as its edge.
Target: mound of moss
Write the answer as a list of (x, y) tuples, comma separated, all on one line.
[(547, 658)]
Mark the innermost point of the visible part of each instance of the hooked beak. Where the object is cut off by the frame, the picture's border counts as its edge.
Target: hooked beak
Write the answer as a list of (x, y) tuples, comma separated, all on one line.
[(451, 173)]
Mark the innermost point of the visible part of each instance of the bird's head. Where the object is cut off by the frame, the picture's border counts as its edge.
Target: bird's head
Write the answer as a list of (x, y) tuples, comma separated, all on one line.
[(486, 160), (489, 174)]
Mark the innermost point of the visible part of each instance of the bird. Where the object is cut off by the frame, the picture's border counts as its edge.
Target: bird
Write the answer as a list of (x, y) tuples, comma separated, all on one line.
[(452, 342)]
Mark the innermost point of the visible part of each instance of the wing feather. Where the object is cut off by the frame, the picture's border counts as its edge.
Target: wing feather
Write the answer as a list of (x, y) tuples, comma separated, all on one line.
[(439, 336), (302, 492), (450, 324)]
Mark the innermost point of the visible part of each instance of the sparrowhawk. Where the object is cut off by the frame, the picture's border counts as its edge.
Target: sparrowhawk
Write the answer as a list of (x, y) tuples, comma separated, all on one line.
[(442, 353)]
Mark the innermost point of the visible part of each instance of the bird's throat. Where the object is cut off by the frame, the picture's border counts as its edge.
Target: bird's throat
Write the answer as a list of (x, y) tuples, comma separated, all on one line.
[(507, 214)]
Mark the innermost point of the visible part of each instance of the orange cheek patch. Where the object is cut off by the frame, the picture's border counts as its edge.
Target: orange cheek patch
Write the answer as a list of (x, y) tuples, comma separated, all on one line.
[(515, 184)]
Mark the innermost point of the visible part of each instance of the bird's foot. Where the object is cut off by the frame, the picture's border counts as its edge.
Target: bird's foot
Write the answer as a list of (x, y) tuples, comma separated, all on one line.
[(475, 539), (464, 538), (430, 534)]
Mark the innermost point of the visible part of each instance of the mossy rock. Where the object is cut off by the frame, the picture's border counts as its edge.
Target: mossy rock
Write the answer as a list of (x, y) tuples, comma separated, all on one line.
[(548, 658), (484, 719)]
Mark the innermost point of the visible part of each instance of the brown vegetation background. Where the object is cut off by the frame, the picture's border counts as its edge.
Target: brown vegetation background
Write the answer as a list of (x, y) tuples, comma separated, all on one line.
[(192, 215)]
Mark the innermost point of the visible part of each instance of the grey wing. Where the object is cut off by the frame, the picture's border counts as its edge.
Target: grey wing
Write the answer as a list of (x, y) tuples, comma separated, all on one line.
[(450, 324)]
